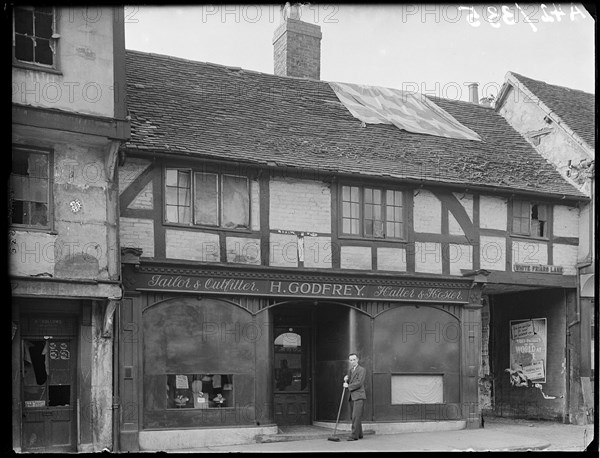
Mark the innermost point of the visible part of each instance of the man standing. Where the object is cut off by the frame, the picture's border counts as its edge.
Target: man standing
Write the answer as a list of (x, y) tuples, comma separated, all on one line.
[(355, 382)]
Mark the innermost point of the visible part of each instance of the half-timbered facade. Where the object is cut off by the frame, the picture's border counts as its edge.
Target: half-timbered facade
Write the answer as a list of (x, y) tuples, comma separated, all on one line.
[(68, 121), (267, 232)]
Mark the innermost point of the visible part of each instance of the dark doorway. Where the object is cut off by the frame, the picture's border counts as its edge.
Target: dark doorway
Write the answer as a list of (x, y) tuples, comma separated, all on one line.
[(292, 367), (49, 394)]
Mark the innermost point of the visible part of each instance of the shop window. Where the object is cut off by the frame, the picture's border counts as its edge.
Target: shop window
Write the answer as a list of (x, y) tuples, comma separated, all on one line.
[(199, 391), (30, 188), (372, 212), (207, 199), (34, 37), (417, 389), (529, 219)]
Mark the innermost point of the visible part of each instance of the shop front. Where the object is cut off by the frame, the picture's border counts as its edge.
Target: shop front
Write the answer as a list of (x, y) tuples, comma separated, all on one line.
[(220, 355)]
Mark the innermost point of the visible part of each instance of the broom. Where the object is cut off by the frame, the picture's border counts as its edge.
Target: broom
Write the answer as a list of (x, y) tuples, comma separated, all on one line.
[(334, 438)]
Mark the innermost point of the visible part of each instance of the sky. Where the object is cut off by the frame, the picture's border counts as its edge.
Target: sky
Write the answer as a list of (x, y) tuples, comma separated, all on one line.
[(434, 49)]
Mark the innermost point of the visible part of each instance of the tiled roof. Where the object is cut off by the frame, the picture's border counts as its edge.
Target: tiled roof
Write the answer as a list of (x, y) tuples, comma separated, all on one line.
[(576, 108), (213, 111)]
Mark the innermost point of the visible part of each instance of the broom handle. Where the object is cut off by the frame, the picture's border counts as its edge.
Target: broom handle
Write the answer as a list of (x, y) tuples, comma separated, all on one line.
[(339, 410)]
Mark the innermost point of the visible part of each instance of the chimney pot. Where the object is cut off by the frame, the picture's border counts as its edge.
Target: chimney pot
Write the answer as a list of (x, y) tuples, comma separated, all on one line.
[(474, 93)]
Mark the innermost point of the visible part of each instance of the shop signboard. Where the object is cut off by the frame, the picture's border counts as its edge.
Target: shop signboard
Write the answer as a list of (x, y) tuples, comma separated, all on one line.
[(334, 289)]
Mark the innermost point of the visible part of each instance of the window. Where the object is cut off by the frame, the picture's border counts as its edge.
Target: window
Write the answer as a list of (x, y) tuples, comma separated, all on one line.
[(372, 212), (199, 391), (529, 219), (34, 38), (207, 199), (30, 188)]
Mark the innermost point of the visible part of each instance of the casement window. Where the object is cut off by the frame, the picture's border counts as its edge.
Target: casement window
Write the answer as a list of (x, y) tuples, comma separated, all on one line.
[(30, 188), (34, 35), (371, 212), (529, 218), (206, 199)]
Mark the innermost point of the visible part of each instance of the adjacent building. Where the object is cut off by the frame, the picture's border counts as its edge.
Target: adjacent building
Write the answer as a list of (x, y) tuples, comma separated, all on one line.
[(68, 121), (560, 124), (271, 224)]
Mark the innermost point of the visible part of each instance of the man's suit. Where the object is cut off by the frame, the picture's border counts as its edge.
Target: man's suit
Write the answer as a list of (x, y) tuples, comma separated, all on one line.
[(356, 386)]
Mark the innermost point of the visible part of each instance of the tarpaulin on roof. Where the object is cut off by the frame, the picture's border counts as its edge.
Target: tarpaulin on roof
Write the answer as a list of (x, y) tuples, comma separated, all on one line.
[(406, 110)]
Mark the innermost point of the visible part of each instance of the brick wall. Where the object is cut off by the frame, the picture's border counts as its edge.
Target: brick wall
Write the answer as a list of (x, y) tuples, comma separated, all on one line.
[(243, 250), (428, 257), (393, 259), (566, 221), (297, 49), (427, 213), (137, 233), (132, 169), (492, 252), (144, 200), (192, 245), (493, 212), (300, 205)]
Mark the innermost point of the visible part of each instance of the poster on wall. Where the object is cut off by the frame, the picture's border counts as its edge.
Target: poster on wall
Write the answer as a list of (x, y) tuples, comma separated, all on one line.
[(528, 347)]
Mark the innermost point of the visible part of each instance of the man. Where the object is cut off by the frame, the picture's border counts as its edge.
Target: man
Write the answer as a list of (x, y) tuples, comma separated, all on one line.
[(355, 382)]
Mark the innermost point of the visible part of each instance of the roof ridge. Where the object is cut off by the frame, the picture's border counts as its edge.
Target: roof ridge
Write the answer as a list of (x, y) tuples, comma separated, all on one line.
[(520, 76)]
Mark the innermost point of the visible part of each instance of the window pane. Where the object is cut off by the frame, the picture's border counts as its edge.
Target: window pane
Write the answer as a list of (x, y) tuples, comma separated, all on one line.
[(43, 24), (171, 177), (171, 196), (368, 228), (24, 48), (172, 214), (37, 165), (355, 227), (368, 196), (377, 196), (183, 178), (38, 190), (43, 52), (236, 202), (206, 203), (354, 194), (19, 212), (24, 21), (346, 209), (346, 226), (184, 215), (346, 193), (542, 214)]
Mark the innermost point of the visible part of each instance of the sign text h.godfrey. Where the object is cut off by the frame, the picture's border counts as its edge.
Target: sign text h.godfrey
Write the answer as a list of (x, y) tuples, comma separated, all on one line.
[(308, 289)]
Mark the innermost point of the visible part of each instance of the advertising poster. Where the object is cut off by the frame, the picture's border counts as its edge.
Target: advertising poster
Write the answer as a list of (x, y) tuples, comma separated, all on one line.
[(528, 346)]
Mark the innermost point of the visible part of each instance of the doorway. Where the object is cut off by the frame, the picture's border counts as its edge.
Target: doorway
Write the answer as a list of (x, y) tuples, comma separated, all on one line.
[(292, 367), (48, 393)]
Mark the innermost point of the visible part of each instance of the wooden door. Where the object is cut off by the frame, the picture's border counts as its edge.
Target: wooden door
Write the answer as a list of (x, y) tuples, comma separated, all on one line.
[(292, 375), (49, 370)]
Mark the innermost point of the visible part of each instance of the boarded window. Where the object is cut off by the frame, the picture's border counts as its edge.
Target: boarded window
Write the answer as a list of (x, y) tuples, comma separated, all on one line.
[(206, 199), (417, 389)]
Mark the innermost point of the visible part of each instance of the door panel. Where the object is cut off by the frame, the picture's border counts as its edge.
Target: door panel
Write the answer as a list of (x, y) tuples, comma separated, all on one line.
[(48, 391), (292, 375)]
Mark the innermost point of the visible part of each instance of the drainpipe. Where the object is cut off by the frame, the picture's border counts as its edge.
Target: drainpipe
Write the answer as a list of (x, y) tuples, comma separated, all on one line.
[(567, 363), (116, 411)]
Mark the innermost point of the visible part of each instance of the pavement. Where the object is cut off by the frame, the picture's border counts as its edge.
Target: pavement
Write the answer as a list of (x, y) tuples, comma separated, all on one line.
[(498, 434)]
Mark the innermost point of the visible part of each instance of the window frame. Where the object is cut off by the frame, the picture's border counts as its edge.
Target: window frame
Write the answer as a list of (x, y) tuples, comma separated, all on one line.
[(50, 195), (54, 44), (218, 227), (361, 212), (530, 203)]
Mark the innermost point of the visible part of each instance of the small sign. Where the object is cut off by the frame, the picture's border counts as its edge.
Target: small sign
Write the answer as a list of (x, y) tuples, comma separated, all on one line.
[(534, 371), (538, 268), (181, 382), (34, 404), (522, 329)]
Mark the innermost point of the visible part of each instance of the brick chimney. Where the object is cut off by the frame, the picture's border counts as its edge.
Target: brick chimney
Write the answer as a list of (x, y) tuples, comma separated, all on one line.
[(474, 93), (296, 46)]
